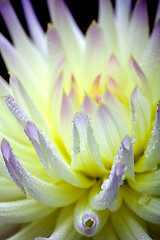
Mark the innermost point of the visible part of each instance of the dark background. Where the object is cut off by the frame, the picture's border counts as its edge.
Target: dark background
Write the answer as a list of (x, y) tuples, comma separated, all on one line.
[(84, 11)]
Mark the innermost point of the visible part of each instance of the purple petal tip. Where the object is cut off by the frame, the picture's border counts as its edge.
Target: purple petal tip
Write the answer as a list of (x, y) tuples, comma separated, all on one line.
[(89, 223), (31, 131), (5, 149)]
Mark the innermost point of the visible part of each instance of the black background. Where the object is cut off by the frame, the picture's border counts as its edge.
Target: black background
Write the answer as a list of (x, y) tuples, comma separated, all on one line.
[(84, 11)]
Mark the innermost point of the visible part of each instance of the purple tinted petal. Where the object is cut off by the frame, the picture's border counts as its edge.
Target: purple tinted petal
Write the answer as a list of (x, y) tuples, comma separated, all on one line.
[(34, 26), (31, 131), (125, 156), (94, 221), (19, 114), (11, 164)]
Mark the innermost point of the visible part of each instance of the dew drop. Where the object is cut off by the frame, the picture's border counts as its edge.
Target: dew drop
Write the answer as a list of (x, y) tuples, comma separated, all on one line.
[(144, 200)]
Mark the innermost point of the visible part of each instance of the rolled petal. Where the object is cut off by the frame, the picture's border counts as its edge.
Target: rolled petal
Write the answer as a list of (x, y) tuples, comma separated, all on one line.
[(9, 157), (87, 221), (9, 191), (24, 46), (139, 29), (110, 189), (52, 159), (85, 151), (43, 227), (19, 113), (47, 193), (25, 101), (147, 182), (129, 226), (34, 26), (16, 65), (144, 205), (150, 159), (64, 226), (109, 132), (140, 118), (22, 211)]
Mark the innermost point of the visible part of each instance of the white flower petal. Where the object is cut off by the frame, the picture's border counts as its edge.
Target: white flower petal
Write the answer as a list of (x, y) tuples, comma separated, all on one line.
[(107, 23), (95, 56), (140, 111), (147, 182), (139, 29), (109, 132), (34, 26), (21, 211), (43, 227), (47, 193), (25, 101), (150, 159), (144, 205), (85, 151), (4, 87), (24, 46), (129, 226), (9, 191), (52, 159), (70, 34)]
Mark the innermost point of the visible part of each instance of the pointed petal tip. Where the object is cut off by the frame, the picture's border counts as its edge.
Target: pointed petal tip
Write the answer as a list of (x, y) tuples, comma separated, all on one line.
[(5, 149), (31, 131)]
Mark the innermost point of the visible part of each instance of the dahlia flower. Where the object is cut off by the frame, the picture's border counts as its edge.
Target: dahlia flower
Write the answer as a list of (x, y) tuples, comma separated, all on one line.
[(80, 125)]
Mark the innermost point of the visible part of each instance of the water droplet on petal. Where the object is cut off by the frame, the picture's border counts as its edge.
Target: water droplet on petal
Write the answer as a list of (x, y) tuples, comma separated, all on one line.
[(144, 200)]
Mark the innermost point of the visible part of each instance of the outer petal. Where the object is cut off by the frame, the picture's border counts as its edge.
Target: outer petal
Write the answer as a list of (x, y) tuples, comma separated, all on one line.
[(107, 23), (26, 49), (64, 228), (85, 151), (145, 206), (150, 159), (34, 26), (23, 211), (49, 194), (43, 227), (128, 225)]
